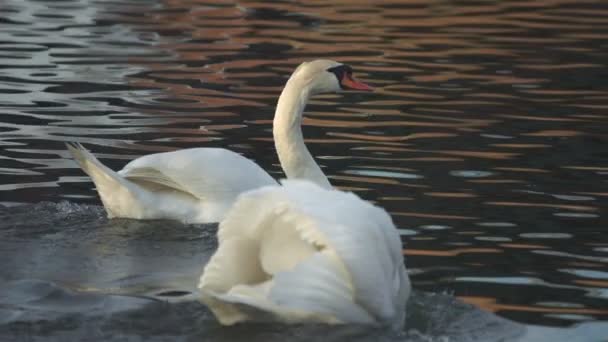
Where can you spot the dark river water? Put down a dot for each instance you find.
(486, 139)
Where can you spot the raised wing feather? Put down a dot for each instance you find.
(152, 175)
(364, 238)
(317, 285)
(346, 261)
(202, 172)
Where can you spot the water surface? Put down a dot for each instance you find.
(485, 138)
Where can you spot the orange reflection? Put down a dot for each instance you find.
(554, 133)
(479, 154)
(520, 169)
(521, 145)
(543, 205)
(372, 180)
(522, 246)
(539, 118)
(603, 194)
(595, 283)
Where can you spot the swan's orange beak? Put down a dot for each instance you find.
(349, 82)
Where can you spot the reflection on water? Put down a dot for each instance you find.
(485, 138)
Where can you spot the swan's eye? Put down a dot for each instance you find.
(344, 74)
(340, 70)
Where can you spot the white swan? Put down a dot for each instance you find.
(199, 185)
(302, 253)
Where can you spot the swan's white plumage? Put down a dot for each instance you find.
(204, 173)
(309, 254)
(192, 185)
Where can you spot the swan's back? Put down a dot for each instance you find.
(304, 253)
(192, 185)
(202, 172)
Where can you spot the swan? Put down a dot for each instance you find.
(198, 185)
(303, 253)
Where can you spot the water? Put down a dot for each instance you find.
(485, 139)
(70, 274)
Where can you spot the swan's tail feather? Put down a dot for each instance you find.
(106, 180)
(91, 165)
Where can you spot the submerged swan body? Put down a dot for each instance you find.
(302, 253)
(199, 185)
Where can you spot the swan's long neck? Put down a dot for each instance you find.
(296, 160)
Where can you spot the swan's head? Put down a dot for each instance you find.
(327, 76)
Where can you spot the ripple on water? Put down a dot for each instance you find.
(560, 304)
(496, 136)
(471, 173)
(502, 280)
(407, 232)
(493, 238)
(593, 274)
(574, 197)
(434, 227)
(576, 215)
(496, 224)
(52, 300)
(546, 235)
(380, 173)
(572, 255)
(570, 317)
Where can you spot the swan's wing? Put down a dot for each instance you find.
(363, 236)
(374, 261)
(236, 288)
(317, 285)
(205, 173)
(154, 176)
(312, 291)
(234, 262)
(365, 272)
